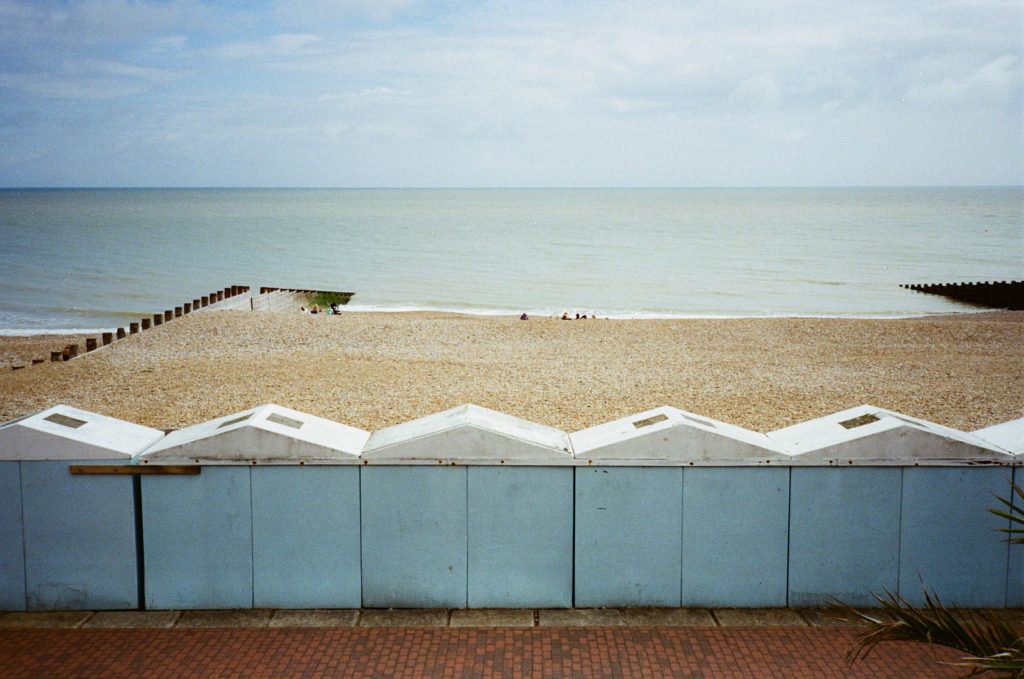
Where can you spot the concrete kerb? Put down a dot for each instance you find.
(437, 617)
(133, 620)
(342, 617)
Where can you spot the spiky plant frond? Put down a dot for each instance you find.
(1014, 511)
(989, 642)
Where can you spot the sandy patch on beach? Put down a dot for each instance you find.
(375, 370)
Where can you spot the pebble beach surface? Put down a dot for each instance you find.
(372, 370)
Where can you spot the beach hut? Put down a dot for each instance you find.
(272, 520)
(1010, 437)
(882, 500)
(67, 541)
(677, 509)
(467, 507)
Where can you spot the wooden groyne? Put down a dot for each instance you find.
(991, 294)
(71, 351)
(228, 298)
(343, 297)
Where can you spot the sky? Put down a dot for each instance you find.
(408, 93)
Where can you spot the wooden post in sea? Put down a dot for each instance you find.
(206, 301)
(90, 343)
(158, 319)
(108, 337)
(196, 304)
(55, 356)
(120, 333)
(168, 314)
(177, 312)
(133, 327)
(146, 323)
(70, 351)
(186, 308)
(220, 295)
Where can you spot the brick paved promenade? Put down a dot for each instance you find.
(250, 653)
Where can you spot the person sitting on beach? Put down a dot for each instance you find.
(315, 309)
(524, 317)
(565, 315)
(334, 308)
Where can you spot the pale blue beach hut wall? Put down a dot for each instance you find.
(198, 539)
(414, 537)
(520, 537)
(735, 536)
(844, 534)
(649, 532)
(1010, 437)
(272, 520)
(78, 532)
(493, 531)
(949, 542)
(305, 535)
(628, 536)
(12, 547)
(80, 550)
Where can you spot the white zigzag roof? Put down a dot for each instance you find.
(269, 434)
(469, 434)
(876, 436)
(66, 433)
(671, 436)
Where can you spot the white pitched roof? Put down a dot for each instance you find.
(66, 433)
(876, 436)
(1008, 435)
(267, 434)
(671, 436)
(469, 434)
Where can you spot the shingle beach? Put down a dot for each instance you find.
(375, 370)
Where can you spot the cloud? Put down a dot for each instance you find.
(470, 93)
(758, 91)
(997, 81)
(320, 12)
(282, 45)
(89, 79)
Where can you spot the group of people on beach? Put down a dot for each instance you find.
(315, 309)
(565, 317)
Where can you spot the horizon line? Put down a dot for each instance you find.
(242, 187)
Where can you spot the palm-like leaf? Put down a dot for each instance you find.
(1014, 512)
(990, 644)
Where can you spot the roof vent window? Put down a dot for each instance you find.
(286, 421)
(65, 421)
(243, 418)
(859, 421)
(640, 424)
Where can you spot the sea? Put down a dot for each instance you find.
(94, 259)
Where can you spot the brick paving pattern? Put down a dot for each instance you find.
(786, 653)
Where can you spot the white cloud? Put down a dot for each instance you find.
(997, 81)
(283, 45)
(319, 12)
(533, 91)
(757, 91)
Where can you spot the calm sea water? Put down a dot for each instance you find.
(73, 259)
